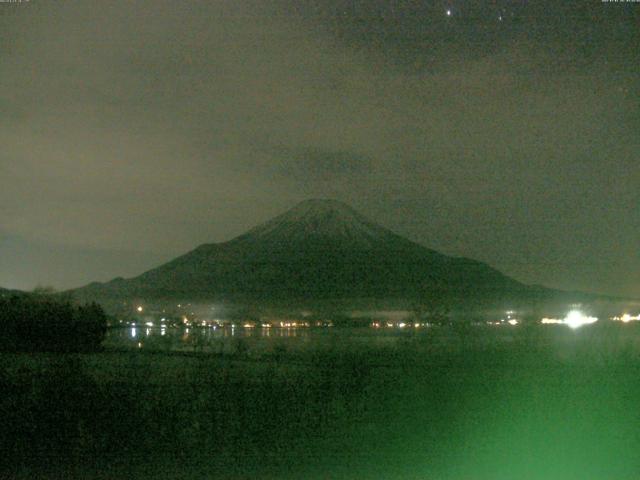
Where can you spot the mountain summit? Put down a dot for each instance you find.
(318, 250)
(318, 218)
(320, 224)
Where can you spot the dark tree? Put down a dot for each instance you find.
(44, 323)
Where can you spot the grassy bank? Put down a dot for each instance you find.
(519, 409)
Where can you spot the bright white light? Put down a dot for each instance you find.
(576, 319)
(448, 13)
(139, 308)
(149, 324)
(513, 321)
(402, 325)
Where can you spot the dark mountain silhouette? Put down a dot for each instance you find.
(4, 292)
(318, 250)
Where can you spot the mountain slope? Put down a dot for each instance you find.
(320, 249)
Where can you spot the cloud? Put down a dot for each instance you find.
(319, 165)
(157, 126)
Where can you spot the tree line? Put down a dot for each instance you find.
(33, 323)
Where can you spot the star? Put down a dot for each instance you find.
(448, 13)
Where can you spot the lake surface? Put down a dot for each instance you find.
(252, 340)
(598, 339)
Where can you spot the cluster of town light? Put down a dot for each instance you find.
(574, 319)
(406, 324)
(626, 318)
(509, 320)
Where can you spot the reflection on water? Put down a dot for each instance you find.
(208, 332)
(216, 339)
(229, 339)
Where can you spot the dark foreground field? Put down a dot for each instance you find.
(468, 408)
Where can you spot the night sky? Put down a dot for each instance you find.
(505, 131)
